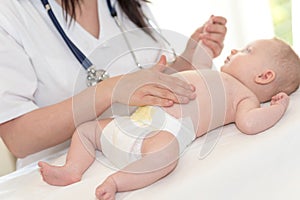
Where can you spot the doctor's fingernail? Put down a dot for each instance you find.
(193, 88)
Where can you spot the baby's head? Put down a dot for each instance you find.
(267, 67)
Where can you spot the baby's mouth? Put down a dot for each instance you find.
(227, 60)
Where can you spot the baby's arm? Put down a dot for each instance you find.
(252, 119)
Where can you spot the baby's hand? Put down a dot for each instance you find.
(280, 99)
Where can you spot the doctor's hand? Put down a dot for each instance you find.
(212, 34)
(204, 44)
(152, 87)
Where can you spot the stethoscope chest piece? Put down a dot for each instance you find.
(95, 76)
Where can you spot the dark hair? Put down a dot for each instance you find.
(130, 7)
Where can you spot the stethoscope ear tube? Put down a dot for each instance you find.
(84, 61)
(112, 9)
(94, 76)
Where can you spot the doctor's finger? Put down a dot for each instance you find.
(161, 65)
(214, 37)
(153, 95)
(177, 86)
(159, 101)
(219, 20)
(164, 93)
(216, 29)
(214, 46)
(167, 79)
(198, 31)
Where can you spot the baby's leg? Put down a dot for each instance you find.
(159, 157)
(85, 140)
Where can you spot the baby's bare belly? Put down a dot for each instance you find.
(206, 108)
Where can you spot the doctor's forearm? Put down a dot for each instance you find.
(52, 125)
(39, 129)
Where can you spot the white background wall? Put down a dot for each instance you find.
(247, 20)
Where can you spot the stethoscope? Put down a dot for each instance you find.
(94, 75)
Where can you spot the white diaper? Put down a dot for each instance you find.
(122, 138)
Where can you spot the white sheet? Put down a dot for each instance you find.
(263, 166)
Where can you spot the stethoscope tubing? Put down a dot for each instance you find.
(83, 60)
(96, 75)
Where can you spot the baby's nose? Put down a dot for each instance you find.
(233, 51)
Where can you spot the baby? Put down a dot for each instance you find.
(146, 145)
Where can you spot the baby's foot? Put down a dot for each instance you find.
(107, 190)
(58, 175)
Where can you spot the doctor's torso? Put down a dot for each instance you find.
(40, 60)
(37, 68)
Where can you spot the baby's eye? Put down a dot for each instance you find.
(246, 50)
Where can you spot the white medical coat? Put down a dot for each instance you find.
(37, 68)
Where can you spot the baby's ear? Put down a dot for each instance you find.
(266, 77)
